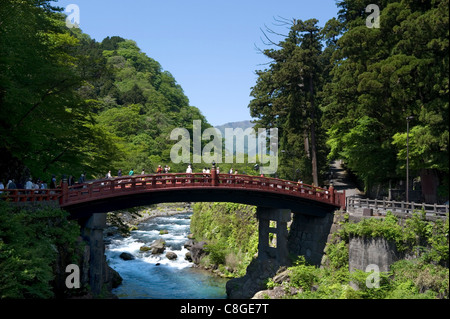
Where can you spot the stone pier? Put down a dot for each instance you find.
(273, 221)
(92, 232)
(272, 254)
(308, 236)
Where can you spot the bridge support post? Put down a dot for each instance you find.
(214, 177)
(92, 232)
(65, 191)
(308, 236)
(277, 247)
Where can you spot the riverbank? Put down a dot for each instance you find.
(123, 222)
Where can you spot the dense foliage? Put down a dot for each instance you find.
(382, 76)
(359, 85)
(69, 104)
(424, 277)
(231, 231)
(30, 241)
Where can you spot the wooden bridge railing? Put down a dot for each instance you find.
(31, 195)
(132, 184)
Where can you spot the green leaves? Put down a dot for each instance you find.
(72, 105)
(286, 96)
(28, 250)
(384, 75)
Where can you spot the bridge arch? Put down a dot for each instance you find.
(126, 192)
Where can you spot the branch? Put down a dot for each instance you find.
(283, 21)
(270, 41)
(35, 106)
(54, 160)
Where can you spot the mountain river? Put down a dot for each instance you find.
(155, 276)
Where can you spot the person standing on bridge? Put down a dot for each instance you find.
(53, 182)
(119, 173)
(131, 173)
(108, 175)
(188, 171)
(82, 178)
(29, 184)
(11, 184)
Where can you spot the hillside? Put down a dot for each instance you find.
(77, 105)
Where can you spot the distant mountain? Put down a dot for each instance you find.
(234, 125)
(242, 124)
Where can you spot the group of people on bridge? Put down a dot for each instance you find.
(41, 184)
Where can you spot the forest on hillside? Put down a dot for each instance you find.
(70, 104)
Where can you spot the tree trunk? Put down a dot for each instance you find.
(315, 174)
(306, 142)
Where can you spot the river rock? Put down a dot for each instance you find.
(171, 255)
(198, 251)
(126, 256)
(188, 256)
(158, 246)
(278, 292)
(144, 248)
(188, 244)
(282, 275)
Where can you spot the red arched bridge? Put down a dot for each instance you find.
(140, 190)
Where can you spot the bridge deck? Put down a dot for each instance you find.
(141, 184)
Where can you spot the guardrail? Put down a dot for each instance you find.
(397, 206)
(132, 184)
(30, 195)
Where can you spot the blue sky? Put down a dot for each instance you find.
(208, 46)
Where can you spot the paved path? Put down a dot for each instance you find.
(341, 180)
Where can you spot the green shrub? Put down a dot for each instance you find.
(217, 253)
(29, 243)
(231, 231)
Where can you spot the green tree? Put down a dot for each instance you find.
(286, 94)
(381, 76)
(45, 122)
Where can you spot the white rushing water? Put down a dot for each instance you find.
(151, 276)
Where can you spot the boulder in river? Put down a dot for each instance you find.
(188, 244)
(198, 251)
(126, 256)
(171, 255)
(158, 246)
